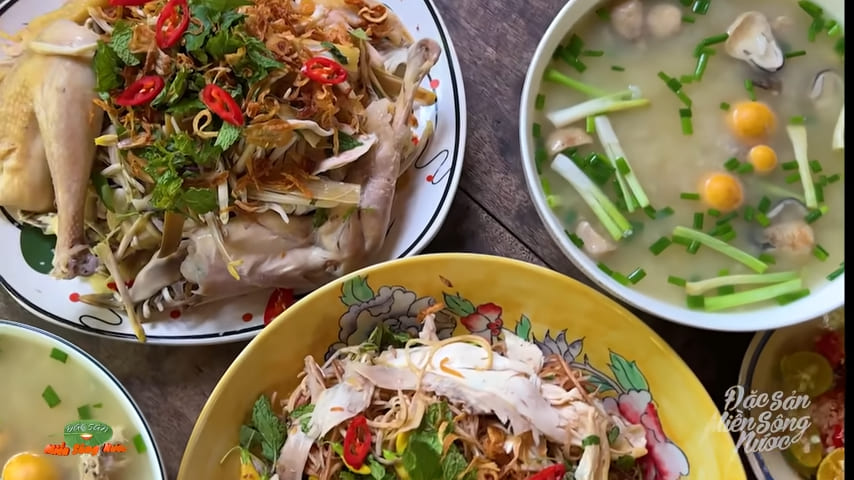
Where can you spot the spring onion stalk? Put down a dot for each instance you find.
(839, 131)
(553, 75)
(755, 295)
(609, 103)
(722, 247)
(776, 190)
(798, 136)
(613, 221)
(611, 143)
(702, 286)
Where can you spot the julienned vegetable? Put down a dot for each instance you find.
(141, 91)
(701, 286)
(172, 23)
(608, 139)
(553, 75)
(623, 100)
(613, 221)
(839, 131)
(798, 136)
(325, 70)
(222, 104)
(722, 247)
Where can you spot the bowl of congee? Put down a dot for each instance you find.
(688, 155)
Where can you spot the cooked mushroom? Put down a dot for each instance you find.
(627, 19)
(664, 20)
(595, 244)
(563, 138)
(751, 40)
(788, 232)
(827, 88)
(768, 83)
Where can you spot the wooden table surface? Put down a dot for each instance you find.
(492, 213)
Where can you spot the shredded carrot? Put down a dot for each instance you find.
(435, 308)
(449, 370)
(336, 409)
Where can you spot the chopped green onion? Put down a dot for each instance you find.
(728, 236)
(768, 258)
(722, 247)
(575, 45)
(714, 39)
(797, 53)
(592, 53)
(97, 405)
(701, 7)
(726, 218)
(811, 8)
(702, 286)
(713, 212)
(629, 183)
(731, 164)
(797, 120)
(816, 26)
(762, 219)
(609, 103)
(788, 298)
(684, 241)
(663, 213)
(839, 46)
(554, 76)
(793, 177)
(687, 126)
(679, 282)
(819, 193)
(798, 136)
(637, 275)
(687, 19)
(50, 397)
(815, 166)
(698, 220)
(689, 196)
(685, 113)
(749, 213)
(622, 166)
(764, 204)
(836, 273)
(693, 247)
(833, 29)
(537, 130)
(756, 295)
(820, 253)
(617, 68)
(748, 85)
(702, 61)
(139, 444)
(745, 167)
(84, 412)
(540, 157)
(591, 125)
(834, 178)
(660, 245)
(602, 207)
(58, 355)
(695, 302)
(793, 165)
(720, 230)
(685, 99)
(603, 13)
(540, 102)
(604, 268)
(620, 278)
(724, 106)
(575, 239)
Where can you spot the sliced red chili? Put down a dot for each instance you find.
(128, 3)
(141, 91)
(555, 472)
(324, 70)
(357, 442)
(222, 104)
(172, 23)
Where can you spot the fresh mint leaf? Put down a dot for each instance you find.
(222, 44)
(120, 43)
(272, 429)
(186, 106)
(378, 471)
(435, 414)
(228, 135)
(346, 142)
(454, 463)
(303, 414)
(222, 6)
(231, 18)
(590, 440)
(249, 437)
(167, 190)
(196, 35)
(333, 50)
(199, 200)
(176, 88)
(106, 66)
(258, 61)
(613, 433)
(421, 461)
(383, 337)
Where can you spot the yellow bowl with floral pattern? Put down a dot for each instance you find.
(483, 295)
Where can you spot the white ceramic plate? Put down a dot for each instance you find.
(759, 372)
(422, 202)
(76, 355)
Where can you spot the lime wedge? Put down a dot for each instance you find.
(805, 455)
(833, 466)
(806, 372)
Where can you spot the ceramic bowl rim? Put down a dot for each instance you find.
(821, 300)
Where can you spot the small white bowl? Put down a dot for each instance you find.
(100, 373)
(822, 299)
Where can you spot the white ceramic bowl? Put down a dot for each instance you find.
(76, 355)
(822, 299)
